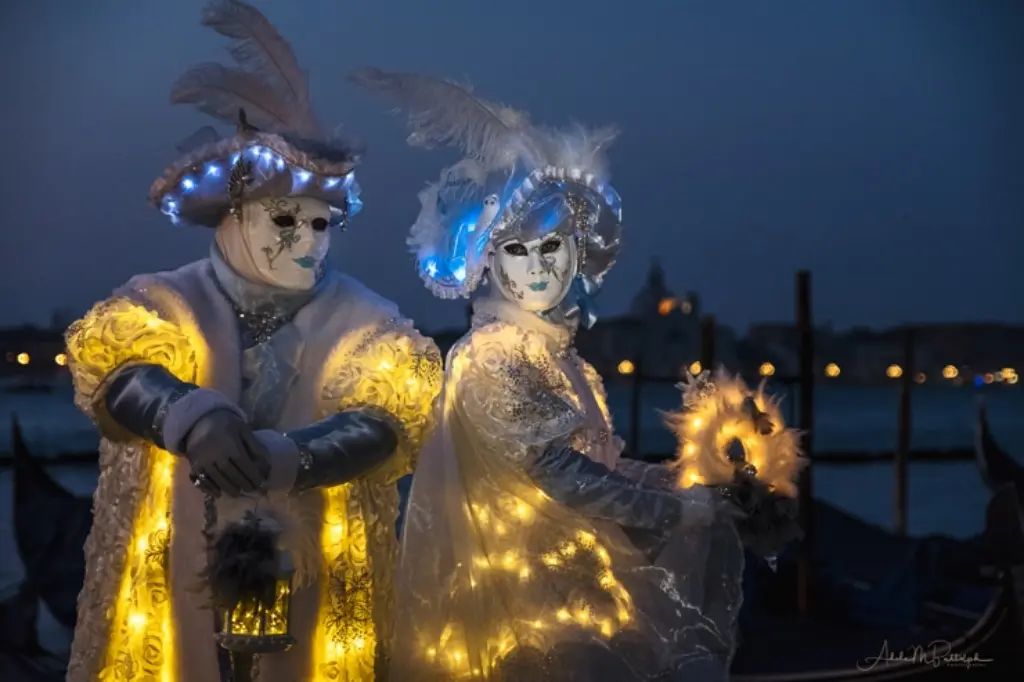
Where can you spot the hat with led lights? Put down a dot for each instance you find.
(278, 149)
(517, 178)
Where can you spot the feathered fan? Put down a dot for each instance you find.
(268, 82)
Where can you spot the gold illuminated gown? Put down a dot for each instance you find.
(499, 581)
(142, 614)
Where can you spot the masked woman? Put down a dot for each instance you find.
(532, 550)
(256, 379)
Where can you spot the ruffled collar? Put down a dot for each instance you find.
(495, 309)
(250, 296)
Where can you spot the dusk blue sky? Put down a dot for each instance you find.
(879, 143)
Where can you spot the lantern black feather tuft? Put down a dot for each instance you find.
(244, 563)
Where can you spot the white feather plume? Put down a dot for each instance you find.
(268, 82)
(443, 112)
(577, 147)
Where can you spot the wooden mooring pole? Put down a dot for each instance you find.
(902, 454)
(707, 343)
(805, 329)
(635, 402)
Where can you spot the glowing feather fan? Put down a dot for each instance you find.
(725, 428)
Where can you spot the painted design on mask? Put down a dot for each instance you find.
(288, 240)
(283, 214)
(507, 285)
(535, 274)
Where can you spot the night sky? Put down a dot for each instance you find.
(878, 143)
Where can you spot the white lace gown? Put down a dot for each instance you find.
(522, 560)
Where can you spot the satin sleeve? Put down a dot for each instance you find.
(508, 387)
(119, 333)
(392, 371)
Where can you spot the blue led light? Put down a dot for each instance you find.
(303, 176)
(235, 158)
(459, 269)
(279, 163)
(431, 267)
(213, 169)
(331, 183)
(267, 156)
(188, 184)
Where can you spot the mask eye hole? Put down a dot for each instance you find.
(284, 220)
(319, 224)
(550, 246)
(514, 249)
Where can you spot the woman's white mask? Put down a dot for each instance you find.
(287, 240)
(536, 274)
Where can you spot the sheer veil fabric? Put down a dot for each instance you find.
(498, 581)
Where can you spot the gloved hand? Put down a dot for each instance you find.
(225, 455)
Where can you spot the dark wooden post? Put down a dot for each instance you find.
(805, 328)
(902, 454)
(707, 343)
(635, 402)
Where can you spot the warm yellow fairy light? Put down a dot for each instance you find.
(695, 367)
(113, 334)
(626, 367)
(23, 358)
(61, 359)
(894, 371)
(832, 370)
(715, 418)
(950, 372)
(766, 369)
(586, 539)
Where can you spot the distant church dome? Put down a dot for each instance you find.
(651, 295)
(655, 299)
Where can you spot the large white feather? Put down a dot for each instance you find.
(262, 53)
(444, 112)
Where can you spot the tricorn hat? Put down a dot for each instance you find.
(278, 149)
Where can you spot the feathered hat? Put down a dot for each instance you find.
(279, 148)
(516, 176)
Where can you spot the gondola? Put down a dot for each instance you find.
(50, 527)
(990, 648)
(996, 465)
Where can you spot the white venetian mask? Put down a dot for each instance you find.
(287, 240)
(534, 274)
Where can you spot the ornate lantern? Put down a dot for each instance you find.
(251, 582)
(255, 627)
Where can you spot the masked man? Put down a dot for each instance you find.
(256, 379)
